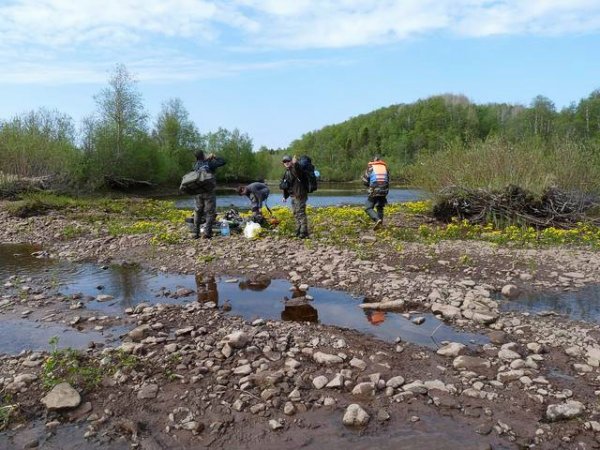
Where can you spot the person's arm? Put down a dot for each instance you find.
(215, 161)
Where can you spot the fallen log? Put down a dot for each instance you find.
(394, 305)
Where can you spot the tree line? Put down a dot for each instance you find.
(407, 134)
(118, 140)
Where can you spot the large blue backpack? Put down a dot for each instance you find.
(309, 170)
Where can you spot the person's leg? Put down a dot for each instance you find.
(210, 206)
(198, 214)
(302, 218)
(255, 206)
(381, 202)
(369, 205)
(297, 215)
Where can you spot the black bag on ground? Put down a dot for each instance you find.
(197, 182)
(307, 167)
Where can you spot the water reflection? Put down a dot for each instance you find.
(251, 298)
(298, 308)
(206, 286)
(21, 259)
(583, 304)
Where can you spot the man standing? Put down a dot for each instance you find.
(206, 201)
(257, 193)
(295, 184)
(377, 179)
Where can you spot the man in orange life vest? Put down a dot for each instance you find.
(377, 179)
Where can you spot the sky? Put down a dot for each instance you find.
(276, 69)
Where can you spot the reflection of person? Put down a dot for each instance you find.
(298, 309)
(295, 184)
(257, 193)
(377, 179)
(206, 286)
(206, 202)
(255, 284)
(375, 317)
(300, 313)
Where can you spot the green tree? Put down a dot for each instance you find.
(177, 137)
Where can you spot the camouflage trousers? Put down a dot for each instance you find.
(299, 210)
(206, 208)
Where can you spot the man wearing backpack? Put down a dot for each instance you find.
(206, 201)
(377, 179)
(295, 184)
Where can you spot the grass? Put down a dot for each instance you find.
(496, 163)
(343, 226)
(79, 370)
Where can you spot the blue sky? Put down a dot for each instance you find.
(276, 69)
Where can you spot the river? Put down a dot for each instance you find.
(328, 194)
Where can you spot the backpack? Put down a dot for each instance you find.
(309, 170)
(198, 181)
(378, 179)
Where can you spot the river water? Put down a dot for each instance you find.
(328, 194)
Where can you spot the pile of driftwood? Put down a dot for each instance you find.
(126, 184)
(514, 205)
(11, 185)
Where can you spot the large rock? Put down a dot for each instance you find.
(473, 363)
(365, 388)
(447, 311)
(564, 411)
(355, 416)
(451, 349)
(237, 339)
(393, 305)
(327, 359)
(62, 396)
(481, 315)
(510, 291)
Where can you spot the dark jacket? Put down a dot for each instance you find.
(294, 182)
(210, 164)
(257, 191)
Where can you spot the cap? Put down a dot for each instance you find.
(286, 158)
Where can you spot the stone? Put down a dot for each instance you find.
(510, 291)
(148, 391)
(327, 359)
(365, 388)
(336, 382)
(320, 382)
(62, 396)
(276, 424)
(289, 409)
(564, 411)
(509, 375)
(358, 363)
(355, 416)
(447, 311)
(452, 349)
(395, 382)
(416, 387)
(508, 355)
(473, 363)
(139, 333)
(237, 339)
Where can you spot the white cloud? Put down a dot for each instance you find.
(61, 34)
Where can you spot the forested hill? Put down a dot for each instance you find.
(400, 132)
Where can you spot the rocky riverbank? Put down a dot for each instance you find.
(191, 376)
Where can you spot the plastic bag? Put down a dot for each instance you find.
(252, 230)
